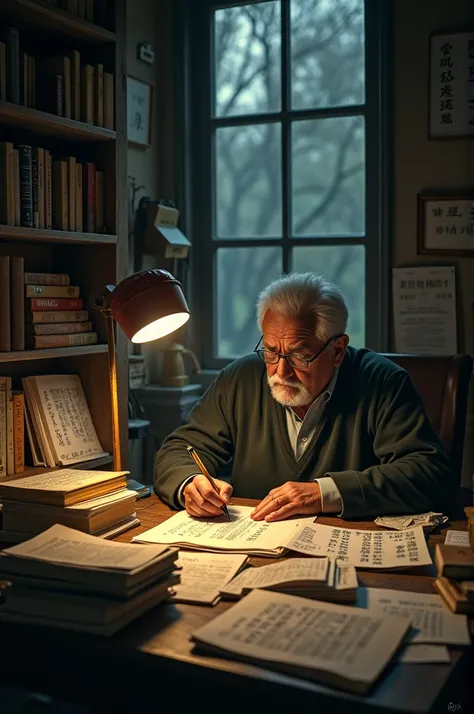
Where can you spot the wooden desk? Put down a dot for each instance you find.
(152, 661)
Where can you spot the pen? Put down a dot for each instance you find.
(194, 455)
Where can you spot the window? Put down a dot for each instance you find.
(286, 128)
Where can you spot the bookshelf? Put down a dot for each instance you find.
(92, 259)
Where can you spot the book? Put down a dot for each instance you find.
(60, 418)
(44, 304)
(39, 342)
(316, 578)
(457, 600)
(65, 578)
(64, 487)
(58, 328)
(456, 562)
(19, 432)
(55, 316)
(5, 333)
(90, 516)
(217, 535)
(17, 303)
(336, 645)
(47, 279)
(202, 575)
(54, 291)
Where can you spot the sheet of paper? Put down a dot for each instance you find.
(307, 635)
(60, 544)
(459, 538)
(203, 574)
(432, 622)
(363, 549)
(428, 520)
(288, 571)
(424, 654)
(241, 533)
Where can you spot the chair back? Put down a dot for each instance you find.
(443, 384)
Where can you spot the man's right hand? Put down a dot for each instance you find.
(201, 500)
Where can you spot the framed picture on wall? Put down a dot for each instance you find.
(139, 112)
(446, 224)
(451, 85)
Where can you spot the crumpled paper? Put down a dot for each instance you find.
(428, 521)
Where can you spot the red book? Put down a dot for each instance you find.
(53, 304)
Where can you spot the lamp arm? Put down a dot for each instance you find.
(113, 383)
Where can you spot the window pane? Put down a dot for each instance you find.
(241, 274)
(248, 181)
(328, 177)
(343, 265)
(327, 53)
(247, 59)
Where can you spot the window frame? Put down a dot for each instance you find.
(196, 157)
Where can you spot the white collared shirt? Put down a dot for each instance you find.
(300, 433)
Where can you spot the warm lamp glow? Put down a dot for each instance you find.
(161, 327)
(149, 305)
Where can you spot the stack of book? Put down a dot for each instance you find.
(57, 191)
(316, 578)
(66, 85)
(67, 579)
(94, 502)
(57, 299)
(455, 581)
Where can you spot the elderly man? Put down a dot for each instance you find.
(307, 423)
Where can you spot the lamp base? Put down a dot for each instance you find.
(142, 491)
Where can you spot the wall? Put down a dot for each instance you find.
(422, 164)
(152, 168)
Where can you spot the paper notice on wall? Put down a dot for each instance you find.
(424, 310)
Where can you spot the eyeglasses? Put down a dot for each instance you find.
(294, 360)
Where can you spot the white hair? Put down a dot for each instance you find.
(300, 294)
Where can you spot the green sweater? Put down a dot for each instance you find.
(374, 440)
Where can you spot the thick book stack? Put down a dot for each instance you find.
(316, 578)
(455, 581)
(39, 190)
(40, 310)
(67, 579)
(94, 502)
(64, 85)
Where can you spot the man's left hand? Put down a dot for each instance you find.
(292, 499)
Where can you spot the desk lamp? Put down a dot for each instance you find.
(146, 305)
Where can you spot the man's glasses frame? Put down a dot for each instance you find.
(294, 359)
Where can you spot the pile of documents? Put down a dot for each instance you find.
(316, 578)
(68, 579)
(455, 581)
(95, 502)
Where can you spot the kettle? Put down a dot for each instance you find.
(173, 372)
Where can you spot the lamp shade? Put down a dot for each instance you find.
(148, 305)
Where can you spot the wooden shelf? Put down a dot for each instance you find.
(29, 355)
(52, 125)
(41, 235)
(54, 20)
(84, 465)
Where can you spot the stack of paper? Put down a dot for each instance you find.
(64, 578)
(219, 535)
(317, 578)
(203, 574)
(95, 502)
(340, 646)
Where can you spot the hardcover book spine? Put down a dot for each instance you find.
(99, 202)
(60, 196)
(7, 188)
(3, 426)
(41, 191)
(26, 188)
(5, 340)
(19, 432)
(34, 185)
(46, 279)
(89, 197)
(60, 328)
(10, 449)
(71, 184)
(99, 94)
(47, 341)
(53, 291)
(16, 189)
(79, 198)
(75, 58)
(55, 316)
(48, 189)
(13, 65)
(87, 88)
(47, 304)
(17, 303)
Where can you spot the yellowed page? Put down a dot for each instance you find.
(292, 570)
(323, 641)
(203, 574)
(432, 621)
(241, 534)
(363, 549)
